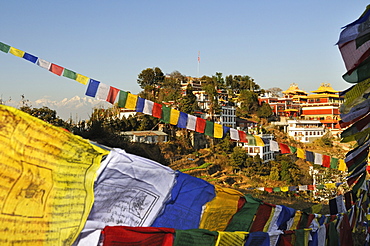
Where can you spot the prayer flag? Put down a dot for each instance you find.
(188, 196)
(334, 163)
(130, 190)
(131, 101)
(44, 64)
(318, 159)
(195, 237)
(92, 88)
(224, 206)
(310, 156)
(292, 149)
(166, 112)
(234, 134)
(174, 116)
(140, 104)
(209, 128)
(56, 69)
(243, 137)
(30, 57)
(122, 99)
(301, 153)
(251, 140)
(259, 238)
(82, 79)
(112, 94)
(69, 74)
(262, 217)
(191, 123)
(242, 220)
(148, 107)
(230, 238)
(226, 129)
(284, 148)
(102, 92)
(325, 161)
(4, 47)
(354, 52)
(16, 52)
(183, 118)
(47, 175)
(274, 146)
(138, 236)
(201, 125)
(218, 131)
(157, 110)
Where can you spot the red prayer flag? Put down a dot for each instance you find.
(243, 137)
(311, 187)
(112, 94)
(58, 70)
(157, 110)
(284, 149)
(262, 216)
(200, 125)
(125, 235)
(326, 161)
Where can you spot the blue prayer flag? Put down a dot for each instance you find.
(310, 156)
(183, 119)
(92, 88)
(140, 104)
(30, 57)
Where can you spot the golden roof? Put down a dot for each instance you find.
(325, 87)
(293, 89)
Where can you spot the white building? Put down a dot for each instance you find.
(150, 137)
(264, 152)
(305, 131)
(228, 116)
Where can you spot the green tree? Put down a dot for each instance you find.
(188, 103)
(46, 114)
(264, 111)
(248, 103)
(238, 157)
(151, 79)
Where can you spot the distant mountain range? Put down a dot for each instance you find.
(77, 108)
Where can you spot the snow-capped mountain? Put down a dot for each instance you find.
(77, 108)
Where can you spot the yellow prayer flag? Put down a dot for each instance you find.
(268, 222)
(259, 141)
(330, 185)
(342, 165)
(226, 238)
(218, 130)
(47, 178)
(220, 210)
(82, 79)
(16, 52)
(131, 101)
(300, 153)
(316, 209)
(174, 116)
(296, 219)
(284, 189)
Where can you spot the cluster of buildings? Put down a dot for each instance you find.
(305, 117)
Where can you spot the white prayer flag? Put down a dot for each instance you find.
(102, 92)
(234, 134)
(318, 159)
(274, 146)
(191, 123)
(44, 64)
(148, 107)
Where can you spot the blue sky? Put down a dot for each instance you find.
(274, 42)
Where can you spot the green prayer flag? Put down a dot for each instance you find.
(300, 237)
(122, 98)
(333, 237)
(243, 219)
(209, 128)
(251, 140)
(277, 189)
(292, 149)
(320, 187)
(166, 113)
(199, 237)
(334, 163)
(69, 74)
(4, 47)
